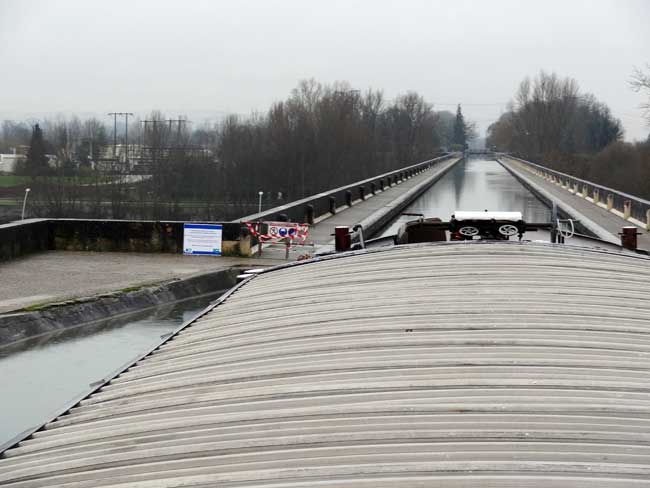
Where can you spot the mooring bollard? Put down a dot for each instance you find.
(342, 238)
(627, 209)
(629, 237)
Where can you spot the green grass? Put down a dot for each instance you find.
(8, 181)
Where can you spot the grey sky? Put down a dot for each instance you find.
(239, 56)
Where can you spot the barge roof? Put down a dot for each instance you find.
(453, 364)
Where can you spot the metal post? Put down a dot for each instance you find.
(309, 214)
(554, 219)
(27, 190)
(259, 207)
(332, 203)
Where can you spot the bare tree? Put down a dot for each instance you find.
(640, 82)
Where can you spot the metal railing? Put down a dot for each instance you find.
(309, 209)
(626, 204)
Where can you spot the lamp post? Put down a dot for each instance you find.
(259, 206)
(27, 190)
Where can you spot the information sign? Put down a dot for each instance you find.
(202, 239)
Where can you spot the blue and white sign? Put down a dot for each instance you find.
(202, 239)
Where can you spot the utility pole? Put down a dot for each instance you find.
(180, 122)
(126, 133)
(114, 114)
(126, 136)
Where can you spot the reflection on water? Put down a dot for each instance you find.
(41, 375)
(477, 184)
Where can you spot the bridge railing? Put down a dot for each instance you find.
(310, 209)
(628, 205)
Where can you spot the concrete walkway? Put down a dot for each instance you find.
(605, 224)
(60, 275)
(380, 203)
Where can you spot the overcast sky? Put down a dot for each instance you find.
(198, 57)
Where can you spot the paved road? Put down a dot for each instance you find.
(59, 275)
(599, 220)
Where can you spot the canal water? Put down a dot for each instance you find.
(40, 376)
(477, 184)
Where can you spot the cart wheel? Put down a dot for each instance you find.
(468, 231)
(508, 230)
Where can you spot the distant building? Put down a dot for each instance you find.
(8, 161)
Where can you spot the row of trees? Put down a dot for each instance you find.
(320, 137)
(325, 136)
(73, 143)
(551, 119)
(553, 123)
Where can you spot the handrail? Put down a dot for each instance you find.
(629, 205)
(327, 201)
(575, 178)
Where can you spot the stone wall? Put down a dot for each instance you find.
(29, 236)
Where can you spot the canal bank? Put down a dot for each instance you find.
(36, 321)
(39, 376)
(55, 276)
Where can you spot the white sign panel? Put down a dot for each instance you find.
(281, 230)
(202, 239)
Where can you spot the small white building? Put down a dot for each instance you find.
(8, 162)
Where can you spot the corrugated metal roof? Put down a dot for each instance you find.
(456, 365)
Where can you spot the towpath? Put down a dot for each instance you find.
(61, 275)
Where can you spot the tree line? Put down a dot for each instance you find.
(551, 122)
(320, 137)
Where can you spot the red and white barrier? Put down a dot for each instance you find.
(280, 231)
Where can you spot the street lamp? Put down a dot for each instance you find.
(27, 190)
(259, 207)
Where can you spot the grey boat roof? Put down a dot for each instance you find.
(453, 364)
